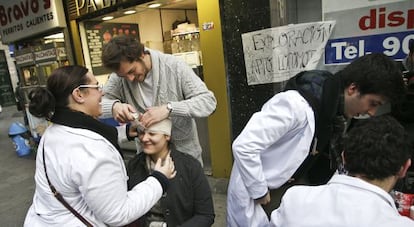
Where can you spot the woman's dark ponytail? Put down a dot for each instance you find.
(42, 103)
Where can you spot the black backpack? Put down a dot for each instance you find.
(322, 90)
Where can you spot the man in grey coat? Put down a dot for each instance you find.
(157, 86)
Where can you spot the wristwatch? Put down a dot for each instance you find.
(169, 107)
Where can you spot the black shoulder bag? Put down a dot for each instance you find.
(60, 197)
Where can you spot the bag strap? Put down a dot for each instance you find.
(60, 197)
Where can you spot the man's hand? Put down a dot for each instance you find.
(153, 115)
(122, 112)
(264, 200)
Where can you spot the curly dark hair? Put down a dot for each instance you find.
(121, 48)
(376, 148)
(375, 74)
(60, 84)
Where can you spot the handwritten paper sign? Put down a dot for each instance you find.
(276, 54)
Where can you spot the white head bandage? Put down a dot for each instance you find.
(163, 127)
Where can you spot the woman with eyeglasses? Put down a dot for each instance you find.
(80, 173)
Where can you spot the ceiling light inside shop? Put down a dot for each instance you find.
(154, 5)
(130, 12)
(108, 18)
(55, 36)
(58, 37)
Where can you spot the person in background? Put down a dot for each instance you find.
(21, 102)
(289, 141)
(188, 201)
(408, 61)
(79, 161)
(376, 154)
(18, 94)
(158, 86)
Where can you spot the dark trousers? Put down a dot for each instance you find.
(276, 195)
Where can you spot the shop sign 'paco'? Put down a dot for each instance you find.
(87, 6)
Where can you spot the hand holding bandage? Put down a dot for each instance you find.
(135, 127)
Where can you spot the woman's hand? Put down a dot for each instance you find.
(135, 126)
(167, 168)
(132, 131)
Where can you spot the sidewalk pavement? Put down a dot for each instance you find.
(17, 185)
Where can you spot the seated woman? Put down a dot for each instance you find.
(80, 174)
(188, 200)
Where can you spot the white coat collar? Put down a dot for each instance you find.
(363, 185)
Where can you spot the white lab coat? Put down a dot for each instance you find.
(267, 153)
(90, 174)
(345, 201)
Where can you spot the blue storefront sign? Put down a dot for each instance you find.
(364, 27)
(345, 50)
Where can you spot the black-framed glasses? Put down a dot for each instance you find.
(97, 86)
